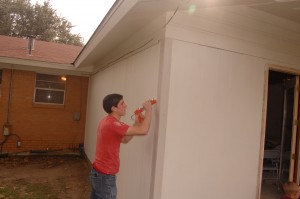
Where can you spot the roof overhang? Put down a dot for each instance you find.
(125, 18)
(43, 67)
(121, 22)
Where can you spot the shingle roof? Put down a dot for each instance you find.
(12, 47)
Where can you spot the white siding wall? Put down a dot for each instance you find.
(215, 107)
(241, 30)
(214, 124)
(210, 148)
(136, 78)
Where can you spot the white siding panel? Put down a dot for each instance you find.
(231, 29)
(214, 124)
(136, 78)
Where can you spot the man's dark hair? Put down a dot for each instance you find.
(111, 100)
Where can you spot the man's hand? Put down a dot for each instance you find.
(138, 119)
(142, 124)
(147, 105)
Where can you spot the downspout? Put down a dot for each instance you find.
(9, 96)
(7, 126)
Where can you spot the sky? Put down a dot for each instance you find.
(85, 15)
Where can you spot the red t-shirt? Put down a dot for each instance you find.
(109, 136)
(285, 197)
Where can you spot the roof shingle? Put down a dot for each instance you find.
(13, 47)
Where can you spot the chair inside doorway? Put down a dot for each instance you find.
(271, 165)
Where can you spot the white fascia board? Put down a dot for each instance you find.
(139, 41)
(39, 65)
(115, 14)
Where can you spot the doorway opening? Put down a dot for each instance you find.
(280, 161)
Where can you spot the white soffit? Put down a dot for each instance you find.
(286, 9)
(128, 16)
(121, 22)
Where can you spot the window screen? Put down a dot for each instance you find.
(50, 89)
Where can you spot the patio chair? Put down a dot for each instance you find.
(271, 165)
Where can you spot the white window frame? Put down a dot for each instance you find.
(49, 89)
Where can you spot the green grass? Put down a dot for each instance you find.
(24, 189)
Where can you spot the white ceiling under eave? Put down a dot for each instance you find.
(42, 67)
(127, 17)
(124, 19)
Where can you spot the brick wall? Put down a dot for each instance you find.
(40, 126)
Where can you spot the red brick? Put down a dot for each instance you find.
(42, 127)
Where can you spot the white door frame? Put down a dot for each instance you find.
(277, 68)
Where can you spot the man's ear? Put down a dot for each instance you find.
(113, 108)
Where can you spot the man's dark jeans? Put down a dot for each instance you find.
(103, 185)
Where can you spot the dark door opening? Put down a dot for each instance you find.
(279, 123)
(280, 148)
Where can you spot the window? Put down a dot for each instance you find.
(50, 89)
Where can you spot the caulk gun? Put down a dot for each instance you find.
(137, 112)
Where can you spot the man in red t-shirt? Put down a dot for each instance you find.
(111, 132)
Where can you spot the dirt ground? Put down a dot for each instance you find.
(42, 177)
